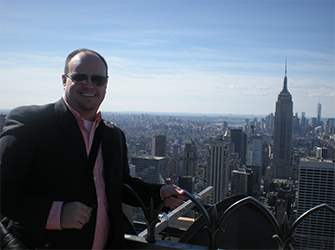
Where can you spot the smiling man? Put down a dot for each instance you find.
(85, 98)
(63, 167)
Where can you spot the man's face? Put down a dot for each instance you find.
(85, 97)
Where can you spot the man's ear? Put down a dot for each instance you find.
(64, 80)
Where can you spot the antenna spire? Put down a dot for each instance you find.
(284, 90)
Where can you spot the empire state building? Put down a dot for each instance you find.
(283, 129)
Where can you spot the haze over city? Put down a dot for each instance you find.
(211, 57)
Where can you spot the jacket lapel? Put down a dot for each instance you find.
(108, 148)
(70, 127)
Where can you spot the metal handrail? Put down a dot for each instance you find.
(213, 224)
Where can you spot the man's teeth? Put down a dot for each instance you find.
(89, 95)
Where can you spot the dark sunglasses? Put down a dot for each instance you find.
(79, 78)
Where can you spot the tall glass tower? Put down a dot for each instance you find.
(318, 111)
(218, 168)
(283, 129)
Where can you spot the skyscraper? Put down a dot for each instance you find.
(318, 112)
(239, 140)
(190, 158)
(172, 168)
(314, 122)
(159, 145)
(254, 150)
(151, 169)
(283, 126)
(187, 183)
(239, 182)
(316, 186)
(176, 152)
(330, 127)
(218, 168)
(303, 119)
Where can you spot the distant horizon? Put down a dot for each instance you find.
(249, 116)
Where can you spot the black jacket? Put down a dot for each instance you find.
(42, 160)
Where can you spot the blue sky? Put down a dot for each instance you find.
(215, 57)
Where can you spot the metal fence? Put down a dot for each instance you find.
(234, 223)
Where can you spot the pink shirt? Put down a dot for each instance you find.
(102, 222)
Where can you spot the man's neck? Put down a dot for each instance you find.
(88, 116)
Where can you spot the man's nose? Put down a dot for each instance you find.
(88, 82)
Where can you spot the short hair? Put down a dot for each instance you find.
(74, 53)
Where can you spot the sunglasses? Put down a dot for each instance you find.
(79, 78)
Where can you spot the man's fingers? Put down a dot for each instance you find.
(75, 215)
(172, 202)
(169, 190)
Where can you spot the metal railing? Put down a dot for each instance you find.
(213, 223)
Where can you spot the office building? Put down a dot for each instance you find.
(316, 186)
(303, 119)
(187, 183)
(238, 138)
(218, 168)
(224, 125)
(190, 158)
(282, 155)
(172, 171)
(254, 179)
(321, 153)
(241, 183)
(296, 122)
(330, 122)
(318, 113)
(330, 127)
(152, 169)
(314, 122)
(159, 145)
(254, 150)
(176, 152)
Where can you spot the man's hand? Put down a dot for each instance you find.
(173, 196)
(75, 215)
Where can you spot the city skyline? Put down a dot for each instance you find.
(204, 57)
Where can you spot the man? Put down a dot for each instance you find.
(44, 151)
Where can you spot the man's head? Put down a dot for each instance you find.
(75, 52)
(85, 81)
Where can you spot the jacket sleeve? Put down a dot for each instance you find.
(16, 161)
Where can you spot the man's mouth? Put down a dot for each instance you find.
(88, 95)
